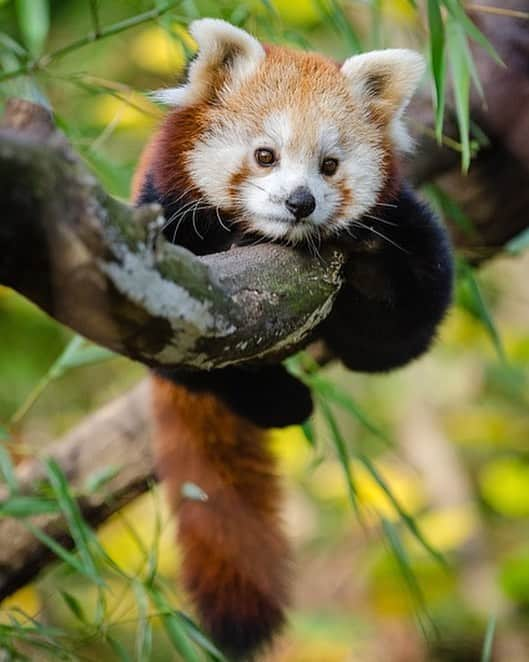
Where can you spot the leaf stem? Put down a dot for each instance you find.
(45, 60)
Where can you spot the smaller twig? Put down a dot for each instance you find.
(45, 60)
(94, 11)
(499, 11)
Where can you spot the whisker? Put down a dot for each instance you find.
(382, 220)
(380, 234)
(194, 222)
(256, 185)
(222, 225)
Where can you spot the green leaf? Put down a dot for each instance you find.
(459, 14)
(27, 506)
(99, 478)
(7, 43)
(480, 308)
(456, 43)
(78, 353)
(518, 244)
(74, 606)
(330, 391)
(174, 626)
(334, 13)
(200, 638)
(70, 509)
(34, 22)
(408, 520)
(486, 654)
(449, 208)
(341, 450)
(437, 63)
(308, 431)
(118, 648)
(403, 560)
(7, 470)
(62, 553)
(88, 355)
(144, 628)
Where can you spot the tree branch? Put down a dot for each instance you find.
(102, 267)
(118, 435)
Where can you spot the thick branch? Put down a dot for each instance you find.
(102, 267)
(116, 436)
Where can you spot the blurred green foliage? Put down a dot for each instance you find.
(408, 493)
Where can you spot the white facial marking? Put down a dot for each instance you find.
(300, 144)
(300, 156)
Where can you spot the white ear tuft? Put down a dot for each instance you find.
(171, 96)
(385, 81)
(213, 35)
(226, 57)
(389, 76)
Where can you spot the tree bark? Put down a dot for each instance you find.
(102, 267)
(116, 436)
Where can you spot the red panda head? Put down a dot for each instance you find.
(287, 142)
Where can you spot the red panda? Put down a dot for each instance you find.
(270, 143)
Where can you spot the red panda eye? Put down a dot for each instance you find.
(329, 167)
(265, 157)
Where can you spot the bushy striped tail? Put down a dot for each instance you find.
(235, 556)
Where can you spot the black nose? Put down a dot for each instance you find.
(301, 202)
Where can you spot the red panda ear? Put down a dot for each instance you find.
(226, 57)
(385, 81)
(386, 78)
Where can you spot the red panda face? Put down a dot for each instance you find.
(290, 144)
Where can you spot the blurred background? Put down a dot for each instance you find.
(440, 447)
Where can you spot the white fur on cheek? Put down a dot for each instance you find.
(364, 178)
(213, 162)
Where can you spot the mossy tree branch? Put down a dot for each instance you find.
(102, 267)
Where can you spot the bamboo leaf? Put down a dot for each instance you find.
(27, 506)
(408, 520)
(74, 606)
(34, 22)
(403, 561)
(486, 655)
(437, 63)
(7, 470)
(449, 208)
(62, 553)
(70, 509)
(308, 431)
(459, 14)
(200, 638)
(518, 244)
(330, 391)
(461, 84)
(101, 477)
(118, 648)
(174, 626)
(144, 627)
(480, 308)
(341, 450)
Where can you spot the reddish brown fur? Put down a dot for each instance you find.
(235, 556)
